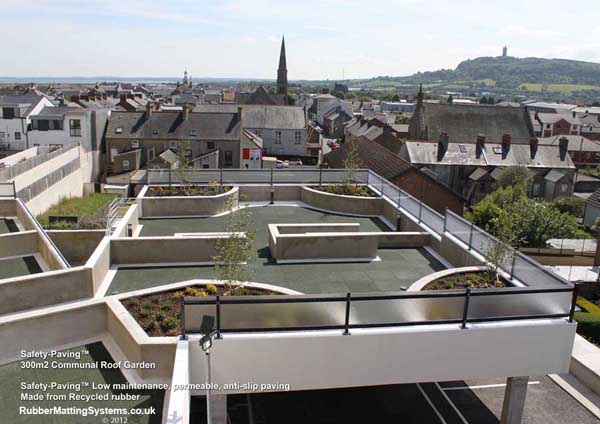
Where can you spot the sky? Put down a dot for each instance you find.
(325, 39)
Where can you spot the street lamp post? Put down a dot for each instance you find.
(207, 327)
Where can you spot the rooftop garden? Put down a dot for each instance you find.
(472, 280)
(87, 212)
(349, 186)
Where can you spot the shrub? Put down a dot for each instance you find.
(190, 291)
(569, 204)
(211, 289)
(160, 316)
(588, 325)
(150, 326)
(145, 312)
(177, 295)
(588, 306)
(169, 323)
(166, 305)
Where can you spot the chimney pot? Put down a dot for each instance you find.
(442, 146)
(533, 146)
(563, 145)
(149, 107)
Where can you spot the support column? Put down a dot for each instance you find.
(218, 408)
(514, 400)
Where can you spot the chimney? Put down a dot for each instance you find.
(480, 145)
(61, 100)
(533, 146)
(574, 114)
(442, 146)
(239, 113)
(186, 112)
(563, 146)
(149, 107)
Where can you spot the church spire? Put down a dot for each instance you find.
(282, 70)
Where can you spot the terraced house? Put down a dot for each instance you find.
(133, 139)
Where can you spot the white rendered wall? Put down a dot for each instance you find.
(322, 360)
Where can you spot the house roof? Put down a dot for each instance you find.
(555, 175)
(27, 100)
(380, 160)
(169, 156)
(59, 111)
(172, 126)
(275, 117)
(478, 174)
(552, 118)
(594, 199)
(576, 143)
(463, 123)
(422, 153)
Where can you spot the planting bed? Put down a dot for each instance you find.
(159, 314)
(165, 191)
(473, 280)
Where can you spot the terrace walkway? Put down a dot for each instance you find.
(397, 269)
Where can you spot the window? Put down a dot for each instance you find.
(228, 158)
(41, 125)
(564, 188)
(8, 112)
(119, 130)
(462, 148)
(297, 137)
(150, 153)
(55, 124)
(210, 145)
(125, 165)
(192, 133)
(2, 135)
(17, 135)
(277, 137)
(536, 188)
(75, 127)
(135, 144)
(172, 144)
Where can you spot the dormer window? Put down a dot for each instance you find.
(154, 132)
(193, 133)
(119, 130)
(135, 144)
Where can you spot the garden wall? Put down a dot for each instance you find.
(170, 206)
(41, 330)
(155, 250)
(45, 289)
(76, 245)
(18, 244)
(368, 206)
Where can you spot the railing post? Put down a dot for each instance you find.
(221, 175)
(573, 303)
(445, 219)
(512, 266)
(320, 176)
(399, 198)
(183, 335)
(471, 235)
(347, 320)
(218, 316)
(170, 177)
(271, 177)
(420, 210)
(466, 310)
(381, 187)
(14, 189)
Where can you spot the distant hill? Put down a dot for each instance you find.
(562, 77)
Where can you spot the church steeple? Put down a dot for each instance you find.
(282, 70)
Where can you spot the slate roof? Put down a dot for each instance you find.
(421, 153)
(576, 143)
(463, 123)
(172, 126)
(552, 118)
(32, 101)
(555, 175)
(60, 111)
(594, 199)
(375, 157)
(273, 117)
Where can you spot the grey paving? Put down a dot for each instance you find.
(397, 269)
(8, 225)
(17, 267)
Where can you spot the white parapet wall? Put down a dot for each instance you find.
(386, 355)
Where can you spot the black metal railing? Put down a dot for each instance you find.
(254, 314)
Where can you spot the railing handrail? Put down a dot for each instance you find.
(349, 299)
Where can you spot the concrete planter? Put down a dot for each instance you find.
(420, 284)
(353, 205)
(179, 206)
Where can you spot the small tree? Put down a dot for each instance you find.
(236, 251)
(499, 254)
(184, 164)
(351, 164)
(513, 176)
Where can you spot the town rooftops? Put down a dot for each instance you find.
(466, 122)
(174, 125)
(493, 154)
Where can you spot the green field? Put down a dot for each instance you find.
(77, 206)
(559, 88)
